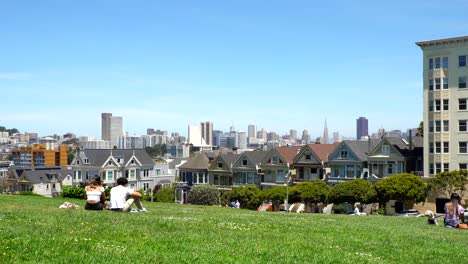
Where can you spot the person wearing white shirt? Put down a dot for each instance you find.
(119, 195)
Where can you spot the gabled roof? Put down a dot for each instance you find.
(256, 156)
(361, 148)
(230, 158)
(97, 157)
(288, 153)
(198, 162)
(323, 150)
(38, 176)
(175, 162)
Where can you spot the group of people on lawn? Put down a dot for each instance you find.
(96, 197)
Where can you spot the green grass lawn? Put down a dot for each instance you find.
(34, 230)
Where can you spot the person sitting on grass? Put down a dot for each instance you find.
(95, 195)
(119, 195)
(453, 212)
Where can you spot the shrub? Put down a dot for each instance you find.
(310, 192)
(338, 209)
(165, 194)
(73, 192)
(203, 194)
(249, 197)
(358, 190)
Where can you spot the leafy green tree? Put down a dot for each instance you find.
(358, 190)
(404, 187)
(276, 195)
(310, 192)
(157, 150)
(448, 182)
(204, 195)
(248, 196)
(420, 129)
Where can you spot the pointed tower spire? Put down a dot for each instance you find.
(325, 133)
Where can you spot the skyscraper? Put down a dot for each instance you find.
(252, 131)
(293, 134)
(325, 134)
(207, 132)
(362, 127)
(337, 137)
(111, 128)
(305, 137)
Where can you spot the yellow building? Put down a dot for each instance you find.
(39, 156)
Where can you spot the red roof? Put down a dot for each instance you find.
(288, 153)
(323, 150)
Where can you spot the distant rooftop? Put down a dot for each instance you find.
(439, 42)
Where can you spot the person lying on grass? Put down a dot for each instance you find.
(119, 195)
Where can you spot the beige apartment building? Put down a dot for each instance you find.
(445, 73)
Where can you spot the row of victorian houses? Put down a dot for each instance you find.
(333, 163)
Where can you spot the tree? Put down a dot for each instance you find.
(448, 182)
(351, 192)
(204, 195)
(157, 150)
(310, 192)
(165, 194)
(276, 195)
(248, 196)
(404, 187)
(420, 129)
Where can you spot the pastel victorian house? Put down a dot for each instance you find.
(396, 155)
(110, 164)
(349, 160)
(247, 168)
(43, 182)
(311, 161)
(220, 171)
(277, 166)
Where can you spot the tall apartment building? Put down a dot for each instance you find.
(252, 131)
(39, 156)
(293, 134)
(207, 132)
(445, 91)
(362, 127)
(111, 128)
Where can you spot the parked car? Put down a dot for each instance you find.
(409, 212)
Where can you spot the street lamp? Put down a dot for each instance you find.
(287, 192)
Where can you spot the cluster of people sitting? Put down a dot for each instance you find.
(121, 197)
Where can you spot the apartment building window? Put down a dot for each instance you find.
(445, 83)
(437, 83)
(431, 168)
(431, 106)
(446, 125)
(274, 160)
(437, 126)
(446, 104)
(431, 84)
(244, 162)
(431, 126)
(446, 167)
(343, 154)
(462, 126)
(462, 82)
(431, 147)
(462, 166)
(438, 168)
(437, 63)
(462, 147)
(437, 105)
(386, 149)
(431, 63)
(307, 157)
(462, 104)
(445, 62)
(462, 61)
(437, 147)
(446, 147)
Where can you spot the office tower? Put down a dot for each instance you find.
(217, 137)
(305, 137)
(195, 136)
(293, 134)
(111, 128)
(252, 131)
(445, 97)
(337, 137)
(325, 134)
(262, 134)
(362, 127)
(207, 132)
(242, 140)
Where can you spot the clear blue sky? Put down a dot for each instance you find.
(168, 64)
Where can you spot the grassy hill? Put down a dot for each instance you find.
(34, 230)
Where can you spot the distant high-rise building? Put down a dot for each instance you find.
(242, 140)
(252, 131)
(217, 137)
(272, 136)
(195, 136)
(262, 134)
(292, 134)
(111, 128)
(207, 132)
(337, 137)
(362, 127)
(325, 134)
(305, 137)
(150, 131)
